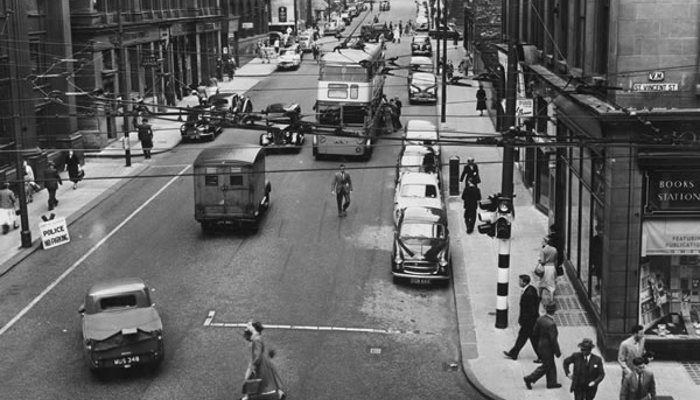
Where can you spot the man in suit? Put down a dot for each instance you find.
(529, 312)
(631, 348)
(588, 371)
(470, 171)
(51, 181)
(639, 384)
(471, 196)
(546, 334)
(341, 187)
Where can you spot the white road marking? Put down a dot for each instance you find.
(210, 318)
(94, 248)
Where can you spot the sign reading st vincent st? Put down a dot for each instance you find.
(673, 191)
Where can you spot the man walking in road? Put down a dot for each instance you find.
(146, 138)
(588, 371)
(547, 337)
(341, 187)
(639, 384)
(51, 181)
(529, 312)
(631, 348)
(471, 196)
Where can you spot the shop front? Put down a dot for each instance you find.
(669, 270)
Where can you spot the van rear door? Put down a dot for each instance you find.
(237, 192)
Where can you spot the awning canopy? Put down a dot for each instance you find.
(666, 237)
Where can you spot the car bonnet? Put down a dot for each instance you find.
(102, 325)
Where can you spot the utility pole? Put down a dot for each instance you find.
(507, 174)
(122, 84)
(13, 42)
(442, 30)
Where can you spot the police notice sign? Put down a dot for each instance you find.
(54, 233)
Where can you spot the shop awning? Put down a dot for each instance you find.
(319, 5)
(665, 237)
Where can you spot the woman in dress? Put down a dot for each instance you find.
(75, 174)
(548, 279)
(261, 366)
(481, 100)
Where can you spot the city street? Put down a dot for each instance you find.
(340, 327)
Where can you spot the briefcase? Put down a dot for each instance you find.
(251, 386)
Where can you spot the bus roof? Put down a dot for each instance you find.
(226, 155)
(353, 56)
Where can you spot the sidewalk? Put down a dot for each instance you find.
(475, 265)
(105, 172)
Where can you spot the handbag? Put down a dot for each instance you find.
(560, 270)
(251, 386)
(539, 270)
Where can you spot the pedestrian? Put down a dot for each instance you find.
(397, 34)
(639, 384)
(146, 138)
(51, 181)
(260, 365)
(201, 93)
(75, 173)
(315, 50)
(450, 70)
(546, 271)
(529, 312)
(470, 171)
(395, 114)
(470, 196)
(546, 334)
(8, 204)
(341, 187)
(588, 371)
(631, 348)
(30, 185)
(276, 46)
(481, 100)
(391, 26)
(376, 18)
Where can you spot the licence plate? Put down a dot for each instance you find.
(126, 361)
(420, 281)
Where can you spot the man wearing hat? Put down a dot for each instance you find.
(546, 334)
(588, 371)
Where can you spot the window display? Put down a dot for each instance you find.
(669, 295)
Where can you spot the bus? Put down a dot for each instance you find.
(348, 105)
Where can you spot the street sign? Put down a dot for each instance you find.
(54, 232)
(654, 87)
(247, 25)
(150, 61)
(523, 107)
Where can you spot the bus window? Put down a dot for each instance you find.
(328, 114)
(354, 115)
(236, 180)
(343, 73)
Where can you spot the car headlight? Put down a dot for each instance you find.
(432, 89)
(89, 343)
(413, 89)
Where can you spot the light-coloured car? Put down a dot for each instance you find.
(421, 46)
(422, 87)
(420, 64)
(120, 325)
(290, 57)
(306, 42)
(417, 189)
(412, 159)
(423, 133)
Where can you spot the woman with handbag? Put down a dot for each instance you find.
(75, 173)
(546, 271)
(8, 202)
(262, 381)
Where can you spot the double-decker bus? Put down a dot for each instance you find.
(350, 88)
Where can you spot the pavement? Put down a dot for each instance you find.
(481, 344)
(475, 265)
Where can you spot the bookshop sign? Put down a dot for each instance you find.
(670, 237)
(672, 191)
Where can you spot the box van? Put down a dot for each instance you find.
(230, 186)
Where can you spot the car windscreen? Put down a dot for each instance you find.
(122, 301)
(418, 190)
(422, 231)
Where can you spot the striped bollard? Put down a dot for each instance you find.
(502, 286)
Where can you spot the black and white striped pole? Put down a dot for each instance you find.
(502, 227)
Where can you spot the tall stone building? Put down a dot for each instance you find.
(619, 82)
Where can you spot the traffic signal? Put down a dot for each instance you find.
(488, 217)
(504, 214)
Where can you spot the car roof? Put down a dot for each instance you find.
(416, 149)
(418, 178)
(421, 60)
(427, 214)
(116, 286)
(421, 129)
(221, 155)
(421, 37)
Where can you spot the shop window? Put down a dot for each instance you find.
(575, 218)
(584, 258)
(542, 197)
(595, 258)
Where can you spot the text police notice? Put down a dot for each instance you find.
(54, 232)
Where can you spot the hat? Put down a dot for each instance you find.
(586, 344)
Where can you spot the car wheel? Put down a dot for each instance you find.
(206, 227)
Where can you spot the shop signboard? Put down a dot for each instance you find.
(672, 191)
(665, 237)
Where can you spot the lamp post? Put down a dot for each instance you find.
(122, 85)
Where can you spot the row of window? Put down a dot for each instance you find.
(152, 5)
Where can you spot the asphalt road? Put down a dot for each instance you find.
(304, 267)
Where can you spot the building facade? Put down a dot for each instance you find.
(612, 94)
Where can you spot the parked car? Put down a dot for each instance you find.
(422, 87)
(421, 24)
(384, 5)
(372, 32)
(306, 42)
(420, 63)
(421, 46)
(201, 124)
(353, 11)
(421, 250)
(417, 189)
(285, 131)
(423, 133)
(412, 159)
(290, 57)
(120, 325)
(451, 32)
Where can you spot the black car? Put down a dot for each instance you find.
(384, 5)
(421, 251)
(372, 32)
(203, 123)
(285, 130)
(421, 46)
